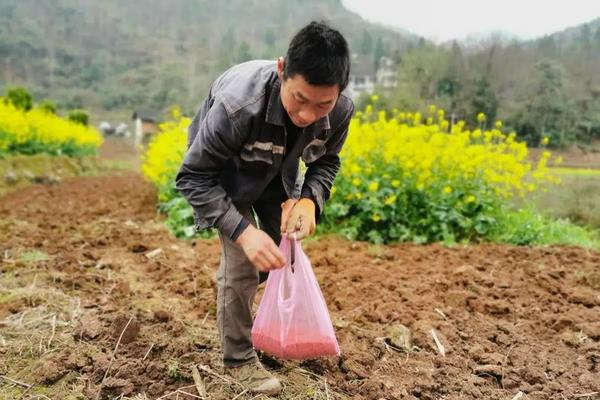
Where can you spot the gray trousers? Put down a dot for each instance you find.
(237, 281)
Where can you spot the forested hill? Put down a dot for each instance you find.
(112, 57)
(114, 54)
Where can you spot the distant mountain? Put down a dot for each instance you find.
(575, 36)
(113, 55)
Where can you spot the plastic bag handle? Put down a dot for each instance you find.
(292, 258)
(291, 262)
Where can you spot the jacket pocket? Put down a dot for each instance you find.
(259, 155)
(314, 150)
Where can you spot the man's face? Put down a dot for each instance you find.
(305, 103)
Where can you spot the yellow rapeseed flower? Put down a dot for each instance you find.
(373, 186)
(46, 131)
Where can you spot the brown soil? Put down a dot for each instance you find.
(87, 262)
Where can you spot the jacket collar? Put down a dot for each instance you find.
(276, 113)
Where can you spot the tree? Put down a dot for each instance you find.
(378, 52)
(270, 37)
(586, 40)
(448, 86)
(48, 106)
(366, 43)
(243, 52)
(20, 98)
(226, 55)
(597, 41)
(548, 113)
(79, 116)
(484, 101)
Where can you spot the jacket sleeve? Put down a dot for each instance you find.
(217, 139)
(321, 173)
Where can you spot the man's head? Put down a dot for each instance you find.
(314, 72)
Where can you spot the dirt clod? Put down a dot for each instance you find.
(126, 328)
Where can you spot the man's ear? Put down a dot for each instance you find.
(280, 65)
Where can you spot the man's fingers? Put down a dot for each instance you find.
(302, 233)
(292, 223)
(285, 214)
(271, 260)
(286, 209)
(278, 256)
(260, 264)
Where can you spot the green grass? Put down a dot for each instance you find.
(576, 198)
(33, 257)
(527, 226)
(561, 171)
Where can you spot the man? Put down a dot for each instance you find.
(244, 146)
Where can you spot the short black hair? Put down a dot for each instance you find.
(320, 54)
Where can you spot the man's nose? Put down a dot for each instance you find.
(307, 115)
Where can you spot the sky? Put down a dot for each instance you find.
(442, 20)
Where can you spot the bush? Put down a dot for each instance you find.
(79, 117)
(20, 98)
(37, 131)
(414, 178)
(47, 106)
(403, 178)
(160, 165)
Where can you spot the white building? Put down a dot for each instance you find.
(365, 79)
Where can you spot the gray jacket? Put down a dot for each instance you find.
(237, 142)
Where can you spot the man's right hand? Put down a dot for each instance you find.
(260, 249)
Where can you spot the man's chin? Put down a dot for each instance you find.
(300, 125)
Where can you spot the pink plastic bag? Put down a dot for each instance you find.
(292, 321)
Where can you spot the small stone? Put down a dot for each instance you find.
(11, 177)
(399, 336)
(476, 352)
(353, 368)
(28, 175)
(591, 330)
(49, 372)
(570, 339)
(138, 248)
(162, 316)
(586, 297)
(589, 380)
(492, 359)
(115, 386)
(88, 327)
(497, 307)
(488, 370)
